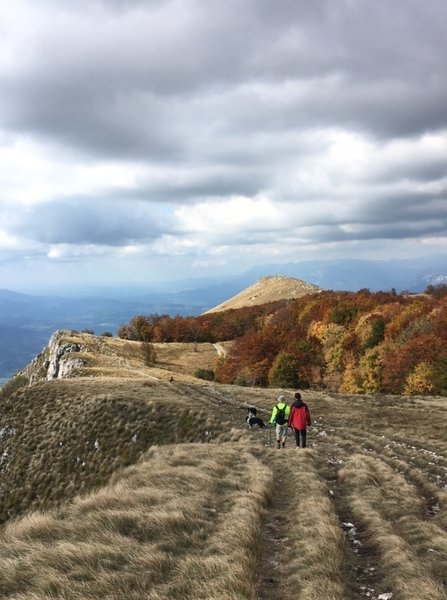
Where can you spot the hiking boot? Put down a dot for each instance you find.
(278, 445)
(283, 444)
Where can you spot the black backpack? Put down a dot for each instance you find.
(280, 418)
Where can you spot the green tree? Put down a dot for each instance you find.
(207, 374)
(285, 373)
(440, 373)
(377, 334)
(343, 314)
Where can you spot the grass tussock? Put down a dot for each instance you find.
(85, 436)
(316, 555)
(411, 546)
(185, 523)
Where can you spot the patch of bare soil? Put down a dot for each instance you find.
(364, 570)
(272, 567)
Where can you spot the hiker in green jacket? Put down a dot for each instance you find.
(280, 417)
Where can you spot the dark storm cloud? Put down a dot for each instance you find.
(410, 207)
(179, 189)
(126, 86)
(421, 168)
(208, 125)
(86, 221)
(134, 126)
(398, 216)
(123, 84)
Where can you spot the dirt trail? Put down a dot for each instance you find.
(330, 447)
(361, 556)
(275, 542)
(221, 352)
(360, 567)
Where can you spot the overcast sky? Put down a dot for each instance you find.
(153, 139)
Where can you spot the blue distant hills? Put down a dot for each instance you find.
(28, 320)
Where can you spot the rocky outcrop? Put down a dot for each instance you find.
(59, 360)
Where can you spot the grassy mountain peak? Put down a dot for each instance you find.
(268, 289)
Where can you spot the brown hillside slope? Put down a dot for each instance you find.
(155, 489)
(71, 354)
(268, 289)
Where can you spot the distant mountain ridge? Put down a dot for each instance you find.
(412, 274)
(27, 321)
(267, 289)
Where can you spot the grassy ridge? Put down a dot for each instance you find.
(184, 523)
(231, 521)
(63, 438)
(153, 514)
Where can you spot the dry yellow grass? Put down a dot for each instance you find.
(310, 546)
(187, 358)
(85, 430)
(412, 546)
(114, 357)
(268, 289)
(184, 523)
(361, 512)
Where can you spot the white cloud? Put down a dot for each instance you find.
(9, 242)
(217, 133)
(223, 217)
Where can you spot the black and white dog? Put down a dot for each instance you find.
(252, 418)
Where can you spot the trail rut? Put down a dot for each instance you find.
(275, 541)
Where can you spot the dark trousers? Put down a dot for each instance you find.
(300, 433)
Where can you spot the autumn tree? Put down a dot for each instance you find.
(398, 366)
(420, 380)
(437, 291)
(363, 341)
(370, 371)
(249, 359)
(350, 382)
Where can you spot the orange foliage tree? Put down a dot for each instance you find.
(351, 342)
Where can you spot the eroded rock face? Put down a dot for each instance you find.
(57, 361)
(61, 361)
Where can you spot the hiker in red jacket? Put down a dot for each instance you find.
(299, 419)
